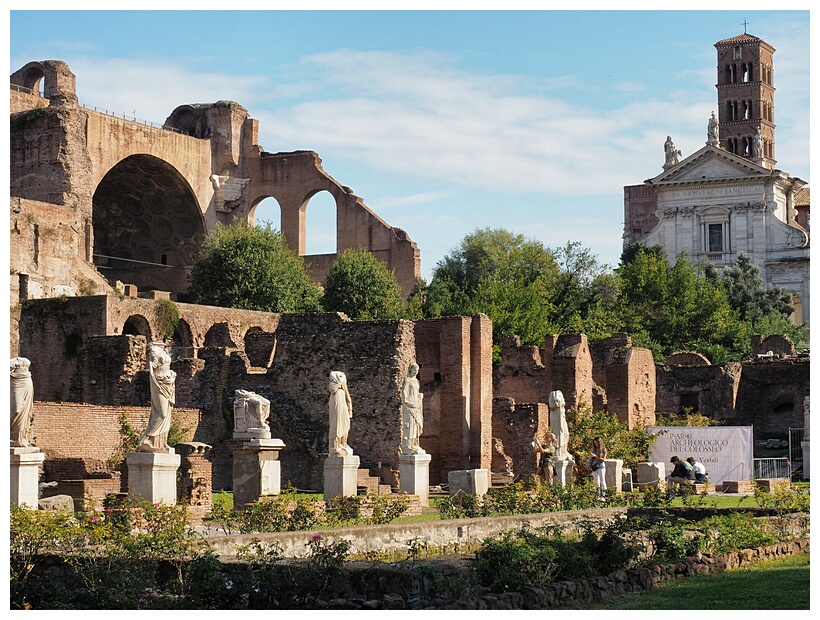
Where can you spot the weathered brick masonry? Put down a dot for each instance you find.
(80, 353)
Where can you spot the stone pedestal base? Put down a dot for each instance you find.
(256, 470)
(341, 476)
(563, 472)
(153, 476)
(414, 476)
(805, 445)
(25, 476)
(471, 481)
(652, 475)
(614, 475)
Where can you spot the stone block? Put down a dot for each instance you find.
(256, 470)
(471, 481)
(340, 476)
(614, 474)
(25, 476)
(563, 472)
(57, 502)
(652, 475)
(414, 476)
(153, 476)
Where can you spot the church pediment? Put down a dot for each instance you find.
(710, 163)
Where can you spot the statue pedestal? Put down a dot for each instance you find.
(153, 476)
(414, 476)
(563, 471)
(652, 475)
(25, 476)
(341, 476)
(256, 470)
(470, 481)
(614, 475)
(806, 453)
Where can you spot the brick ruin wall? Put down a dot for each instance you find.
(514, 426)
(293, 356)
(83, 444)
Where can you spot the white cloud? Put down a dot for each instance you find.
(415, 114)
(152, 89)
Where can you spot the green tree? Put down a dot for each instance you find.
(251, 267)
(509, 278)
(672, 308)
(746, 294)
(362, 287)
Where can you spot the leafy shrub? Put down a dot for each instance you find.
(734, 531)
(672, 541)
(516, 558)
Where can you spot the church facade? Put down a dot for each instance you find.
(728, 198)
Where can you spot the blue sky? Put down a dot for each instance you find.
(442, 121)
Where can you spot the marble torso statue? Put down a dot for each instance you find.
(558, 425)
(163, 395)
(412, 417)
(22, 401)
(340, 411)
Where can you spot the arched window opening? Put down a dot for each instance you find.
(219, 335)
(137, 325)
(267, 211)
(260, 347)
(320, 224)
(183, 341)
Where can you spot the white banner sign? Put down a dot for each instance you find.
(726, 451)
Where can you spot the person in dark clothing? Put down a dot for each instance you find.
(680, 472)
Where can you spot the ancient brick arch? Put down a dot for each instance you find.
(137, 325)
(183, 341)
(83, 158)
(147, 225)
(55, 76)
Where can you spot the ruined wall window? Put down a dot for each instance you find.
(738, 52)
(689, 403)
(320, 224)
(747, 72)
(137, 325)
(267, 211)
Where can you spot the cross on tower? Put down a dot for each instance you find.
(745, 23)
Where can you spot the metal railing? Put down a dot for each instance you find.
(796, 437)
(124, 116)
(772, 468)
(129, 118)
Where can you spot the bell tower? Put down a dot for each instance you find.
(745, 85)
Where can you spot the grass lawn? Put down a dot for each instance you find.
(774, 584)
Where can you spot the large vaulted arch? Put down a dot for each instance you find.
(147, 225)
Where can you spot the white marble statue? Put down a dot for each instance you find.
(22, 401)
(672, 154)
(412, 417)
(341, 412)
(713, 131)
(757, 144)
(163, 395)
(251, 412)
(558, 425)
